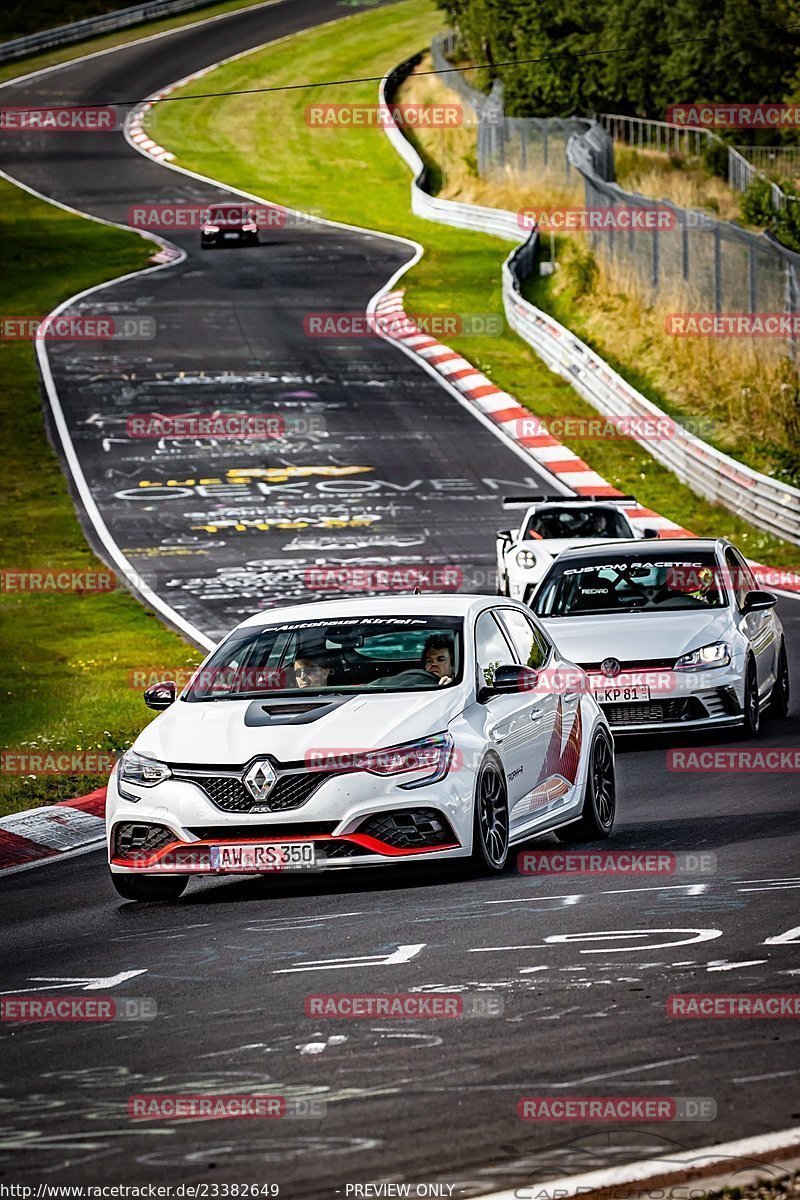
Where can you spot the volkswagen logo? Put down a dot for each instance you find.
(259, 780)
(611, 667)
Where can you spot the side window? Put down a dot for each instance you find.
(491, 648)
(531, 647)
(739, 578)
(746, 575)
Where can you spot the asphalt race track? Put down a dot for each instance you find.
(231, 965)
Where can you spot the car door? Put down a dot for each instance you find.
(758, 627)
(548, 716)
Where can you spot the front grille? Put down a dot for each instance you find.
(341, 849)
(135, 840)
(635, 664)
(654, 713)
(409, 829)
(230, 794)
(269, 833)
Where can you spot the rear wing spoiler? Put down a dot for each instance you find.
(526, 501)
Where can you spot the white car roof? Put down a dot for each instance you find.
(401, 604)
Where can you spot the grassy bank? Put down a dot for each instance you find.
(264, 144)
(64, 657)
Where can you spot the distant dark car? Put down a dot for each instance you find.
(229, 224)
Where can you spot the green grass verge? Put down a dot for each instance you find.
(263, 144)
(50, 58)
(64, 657)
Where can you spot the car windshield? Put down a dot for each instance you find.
(346, 655)
(230, 216)
(589, 521)
(631, 583)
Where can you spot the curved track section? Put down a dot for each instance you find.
(583, 965)
(378, 462)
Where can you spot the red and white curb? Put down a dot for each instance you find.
(765, 1158)
(508, 414)
(71, 826)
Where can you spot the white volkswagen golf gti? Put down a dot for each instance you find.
(672, 635)
(361, 733)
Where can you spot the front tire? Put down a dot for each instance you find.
(599, 796)
(490, 822)
(150, 888)
(779, 700)
(752, 709)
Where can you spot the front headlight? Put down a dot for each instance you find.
(211, 229)
(717, 654)
(431, 755)
(526, 559)
(250, 227)
(146, 772)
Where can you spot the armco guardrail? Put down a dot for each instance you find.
(64, 35)
(497, 221)
(764, 502)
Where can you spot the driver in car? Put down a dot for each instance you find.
(437, 658)
(598, 523)
(311, 671)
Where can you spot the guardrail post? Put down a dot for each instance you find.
(717, 269)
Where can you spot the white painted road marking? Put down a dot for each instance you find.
(791, 937)
(85, 984)
(402, 954)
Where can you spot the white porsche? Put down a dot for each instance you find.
(551, 525)
(675, 635)
(361, 733)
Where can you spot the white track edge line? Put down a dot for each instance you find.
(132, 577)
(651, 1168)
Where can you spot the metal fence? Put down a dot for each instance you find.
(695, 262)
(645, 134)
(783, 161)
(78, 31)
(526, 145)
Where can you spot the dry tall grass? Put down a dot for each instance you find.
(738, 393)
(683, 181)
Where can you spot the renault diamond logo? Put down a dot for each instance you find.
(611, 667)
(259, 780)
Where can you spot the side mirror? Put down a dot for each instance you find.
(648, 532)
(759, 602)
(505, 535)
(160, 695)
(509, 679)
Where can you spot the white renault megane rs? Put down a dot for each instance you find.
(364, 732)
(672, 635)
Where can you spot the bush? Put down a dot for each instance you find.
(580, 270)
(787, 223)
(715, 158)
(471, 164)
(756, 203)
